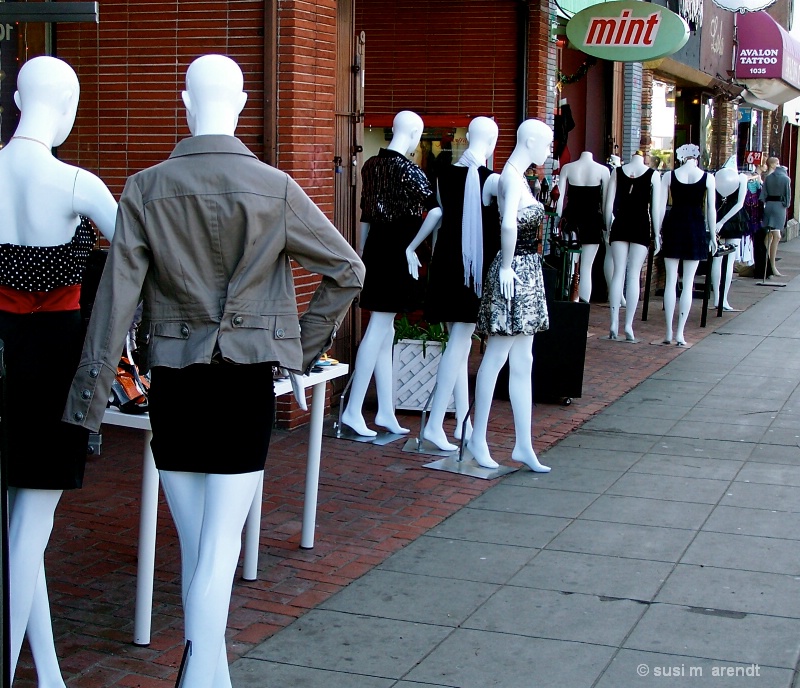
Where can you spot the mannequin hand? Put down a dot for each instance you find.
(507, 279)
(298, 389)
(712, 245)
(413, 263)
(658, 247)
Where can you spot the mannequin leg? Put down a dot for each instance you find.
(495, 356)
(379, 331)
(619, 254)
(30, 525)
(588, 253)
(384, 386)
(670, 294)
(716, 273)
(636, 255)
(40, 637)
(209, 511)
(608, 272)
(689, 269)
(461, 389)
(772, 240)
(520, 364)
(716, 276)
(450, 376)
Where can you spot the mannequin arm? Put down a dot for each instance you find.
(490, 188)
(431, 223)
(656, 208)
(739, 203)
(606, 184)
(564, 179)
(508, 234)
(711, 211)
(91, 198)
(362, 238)
(609, 194)
(661, 204)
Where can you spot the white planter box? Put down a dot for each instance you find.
(414, 374)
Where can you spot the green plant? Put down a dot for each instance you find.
(421, 331)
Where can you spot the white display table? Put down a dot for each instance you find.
(150, 481)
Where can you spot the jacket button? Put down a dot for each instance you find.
(238, 320)
(279, 333)
(86, 394)
(94, 372)
(184, 330)
(78, 415)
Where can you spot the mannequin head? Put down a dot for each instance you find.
(727, 180)
(47, 96)
(406, 132)
(213, 96)
(535, 138)
(688, 154)
(772, 163)
(482, 136)
(614, 160)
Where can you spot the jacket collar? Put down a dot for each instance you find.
(211, 143)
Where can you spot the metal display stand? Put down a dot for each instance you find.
(338, 430)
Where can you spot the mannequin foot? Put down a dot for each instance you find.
(530, 460)
(356, 422)
(681, 343)
(480, 452)
(467, 430)
(629, 336)
(613, 335)
(390, 423)
(776, 273)
(437, 437)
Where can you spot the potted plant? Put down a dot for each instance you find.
(418, 348)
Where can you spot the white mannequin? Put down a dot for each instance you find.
(687, 173)
(209, 510)
(584, 172)
(727, 181)
(608, 261)
(534, 139)
(41, 203)
(375, 350)
(452, 377)
(629, 256)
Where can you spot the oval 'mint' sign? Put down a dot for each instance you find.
(627, 31)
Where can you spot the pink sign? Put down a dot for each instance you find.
(766, 50)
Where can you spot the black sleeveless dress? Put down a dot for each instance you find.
(683, 233)
(447, 298)
(632, 219)
(736, 226)
(583, 213)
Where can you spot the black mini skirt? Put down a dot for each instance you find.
(212, 418)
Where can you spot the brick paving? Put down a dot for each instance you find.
(372, 502)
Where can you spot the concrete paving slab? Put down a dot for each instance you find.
(692, 373)
(695, 429)
(789, 437)
(558, 615)
(623, 540)
(644, 409)
(473, 659)
(609, 441)
(408, 597)
(630, 424)
(525, 500)
(744, 553)
(574, 477)
(698, 632)
(562, 455)
(734, 402)
(763, 496)
(473, 561)
(776, 474)
(381, 648)
(688, 467)
(752, 592)
(652, 670)
(258, 673)
(647, 512)
(780, 454)
(671, 397)
(500, 527)
(593, 574)
(714, 449)
(710, 414)
(758, 522)
(670, 487)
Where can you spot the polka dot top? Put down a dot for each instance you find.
(45, 268)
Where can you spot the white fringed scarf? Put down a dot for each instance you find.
(472, 223)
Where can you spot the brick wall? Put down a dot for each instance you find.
(634, 108)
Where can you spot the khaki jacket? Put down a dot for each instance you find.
(204, 239)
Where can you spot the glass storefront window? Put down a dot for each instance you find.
(662, 125)
(706, 131)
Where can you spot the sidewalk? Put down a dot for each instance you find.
(664, 542)
(576, 574)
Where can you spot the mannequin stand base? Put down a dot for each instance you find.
(770, 284)
(661, 342)
(415, 445)
(467, 466)
(345, 432)
(622, 340)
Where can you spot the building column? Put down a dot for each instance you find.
(646, 138)
(633, 130)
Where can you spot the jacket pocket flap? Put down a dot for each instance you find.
(177, 330)
(286, 327)
(254, 322)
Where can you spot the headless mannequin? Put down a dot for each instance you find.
(608, 261)
(375, 350)
(209, 510)
(533, 147)
(452, 375)
(687, 173)
(584, 172)
(42, 201)
(628, 256)
(728, 181)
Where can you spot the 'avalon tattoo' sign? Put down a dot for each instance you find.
(627, 31)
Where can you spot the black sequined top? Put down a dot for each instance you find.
(44, 268)
(394, 189)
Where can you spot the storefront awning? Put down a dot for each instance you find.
(767, 59)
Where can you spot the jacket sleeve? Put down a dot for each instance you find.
(318, 246)
(117, 298)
